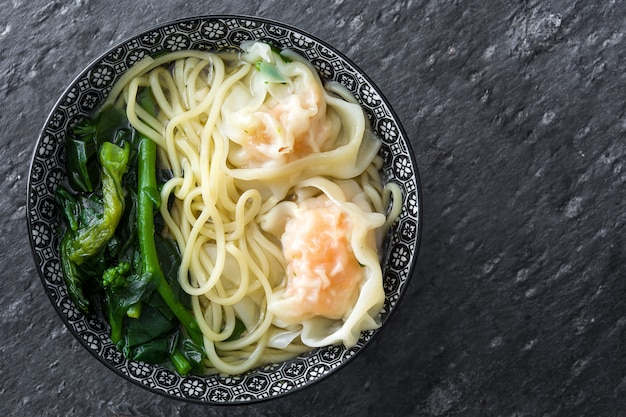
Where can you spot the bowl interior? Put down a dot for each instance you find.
(85, 94)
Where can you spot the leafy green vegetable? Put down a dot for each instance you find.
(113, 258)
(91, 238)
(91, 226)
(123, 298)
(83, 143)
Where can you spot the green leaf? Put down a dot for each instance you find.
(150, 326)
(153, 351)
(82, 171)
(110, 121)
(69, 207)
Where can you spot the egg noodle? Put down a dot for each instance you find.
(279, 209)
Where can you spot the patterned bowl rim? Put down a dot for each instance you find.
(266, 22)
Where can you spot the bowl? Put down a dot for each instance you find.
(85, 94)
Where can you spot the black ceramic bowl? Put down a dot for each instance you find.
(87, 92)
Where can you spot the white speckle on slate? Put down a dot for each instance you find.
(573, 207)
(356, 23)
(579, 365)
(496, 341)
(548, 117)
(490, 264)
(530, 344)
(615, 39)
(442, 399)
(491, 49)
(522, 275)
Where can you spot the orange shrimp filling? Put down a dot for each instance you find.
(290, 128)
(323, 272)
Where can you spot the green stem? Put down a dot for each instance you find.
(182, 365)
(147, 200)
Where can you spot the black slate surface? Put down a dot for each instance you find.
(516, 114)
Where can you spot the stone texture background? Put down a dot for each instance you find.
(517, 117)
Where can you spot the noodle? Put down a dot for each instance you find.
(257, 145)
